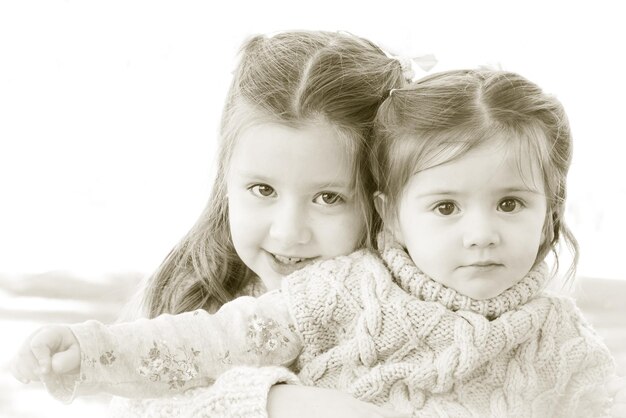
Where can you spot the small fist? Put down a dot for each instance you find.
(51, 348)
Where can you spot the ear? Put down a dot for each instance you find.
(391, 225)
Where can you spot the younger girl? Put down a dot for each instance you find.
(449, 317)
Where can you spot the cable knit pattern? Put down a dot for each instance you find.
(394, 337)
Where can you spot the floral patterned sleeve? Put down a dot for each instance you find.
(172, 353)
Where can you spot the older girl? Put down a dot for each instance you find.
(292, 187)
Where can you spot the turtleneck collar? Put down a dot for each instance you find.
(412, 280)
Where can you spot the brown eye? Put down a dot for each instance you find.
(446, 208)
(328, 198)
(262, 190)
(509, 205)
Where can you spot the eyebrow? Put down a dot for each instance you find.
(506, 190)
(318, 185)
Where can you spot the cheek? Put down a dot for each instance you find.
(536, 231)
(412, 228)
(426, 251)
(242, 212)
(340, 235)
(356, 233)
(234, 223)
(528, 238)
(242, 222)
(430, 245)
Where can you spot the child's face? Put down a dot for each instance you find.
(475, 224)
(290, 200)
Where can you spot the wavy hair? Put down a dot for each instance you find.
(292, 78)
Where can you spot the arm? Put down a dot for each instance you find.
(253, 392)
(240, 391)
(310, 402)
(172, 353)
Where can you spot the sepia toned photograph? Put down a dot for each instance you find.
(335, 209)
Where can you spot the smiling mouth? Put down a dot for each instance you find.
(288, 260)
(285, 265)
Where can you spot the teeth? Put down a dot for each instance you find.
(288, 260)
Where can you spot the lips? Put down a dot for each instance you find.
(288, 260)
(285, 265)
(482, 266)
(481, 262)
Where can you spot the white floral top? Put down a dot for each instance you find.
(172, 353)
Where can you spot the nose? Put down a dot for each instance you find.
(480, 231)
(290, 224)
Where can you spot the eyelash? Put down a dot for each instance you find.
(441, 204)
(336, 198)
(519, 205)
(255, 190)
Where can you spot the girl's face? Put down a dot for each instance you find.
(290, 199)
(475, 224)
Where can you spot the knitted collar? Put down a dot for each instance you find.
(412, 280)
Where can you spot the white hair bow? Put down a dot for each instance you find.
(423, 64)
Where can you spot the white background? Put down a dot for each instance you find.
(109, 111)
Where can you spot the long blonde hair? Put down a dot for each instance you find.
(291, 78)
(443, 116)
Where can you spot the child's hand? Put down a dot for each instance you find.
(50, 348)
(617, 390)
(308, 401)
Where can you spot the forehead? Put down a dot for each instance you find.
(315, 152)
(501, 161)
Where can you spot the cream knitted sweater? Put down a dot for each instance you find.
(392, 336)
(379, 329)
